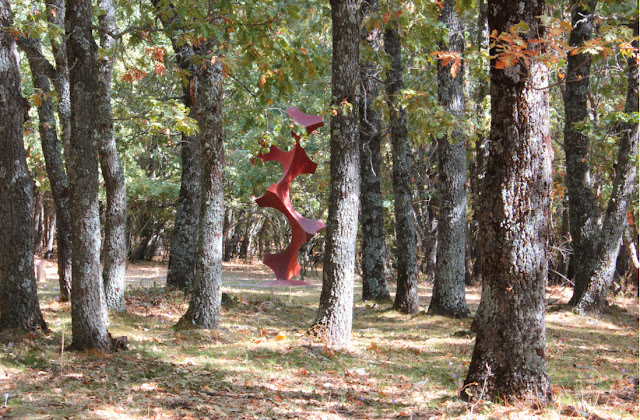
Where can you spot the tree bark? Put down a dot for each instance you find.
(478, 165)
(374, 281)
(55, 11)
(114, 248)
(41, 72)
(88, 310)
(185, 232)
(594, 297)
(508, 360)
(204, 308)
(406, 300)
(448, 296)
(335, 312)
(19, 307)
(584, 213)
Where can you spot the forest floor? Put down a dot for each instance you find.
(262, 364)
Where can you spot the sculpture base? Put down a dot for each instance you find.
(287, 283)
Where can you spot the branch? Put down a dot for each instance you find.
(32, 49)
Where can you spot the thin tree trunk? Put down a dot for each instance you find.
(406, 300)
(115, 230)
(204, 308)
(51, 229)
(88, 309)
(478, 165)
(37, 222)
(427, 223)
(448, 288)
(55, 11)
(185, 231)
(19, 307)
(374, 281)
(335, 313)
(509, 360)
(594, 298)
(584, 212)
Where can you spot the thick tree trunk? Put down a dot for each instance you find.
(508, 360)
(204, 308)
(115, 228)
(448, 289)
(335, 313)
(374, 281)
(594, 297)
(88, 310)
(406, 300)
(19, 307)
(584, 212)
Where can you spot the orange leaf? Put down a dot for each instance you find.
(263, 80)
(281, 336)
(386, 17)
(455, 67)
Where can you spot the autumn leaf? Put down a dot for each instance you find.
(386, 17)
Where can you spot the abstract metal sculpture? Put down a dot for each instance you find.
(295, 162)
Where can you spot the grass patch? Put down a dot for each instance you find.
(261, 364)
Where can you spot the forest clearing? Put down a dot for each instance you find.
(262, 364)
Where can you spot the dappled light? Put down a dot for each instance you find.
(261, 362)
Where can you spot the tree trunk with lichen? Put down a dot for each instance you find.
(594, 297)
(448, 296)
(406, 299)
(114, 248)
(374, 281)
(584, 213)
(19, 306)
(335, 313)
(88, 308)
(508, 359)
(185, 231)
(204, 308)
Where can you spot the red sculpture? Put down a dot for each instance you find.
(295, 162)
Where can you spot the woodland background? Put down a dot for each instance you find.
(153, 64)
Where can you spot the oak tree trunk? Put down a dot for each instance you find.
(204, 308)
(584, 213)
(594, 297)
(19, 306)
(185, 231)
(335, 313)
(374, 281)
(508, 359)
(406, 300)
(448, 296)
(55, 11)
(41, 72)
(114, 248)
(88, 309)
